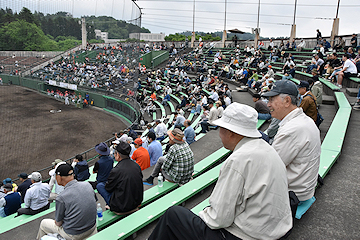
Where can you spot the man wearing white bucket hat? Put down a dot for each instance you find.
(250, 199)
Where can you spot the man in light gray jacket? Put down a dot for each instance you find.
(297, 141)
(250, 199)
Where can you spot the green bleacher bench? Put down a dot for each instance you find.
(163, 113)
(197, 120)
(330, 85)
(11, 221)
(183, 94)
(209, 161)
(149, 196)
(334, 138)
(172, 108)
(198, 208)
(206, 91)
(260, 123)
(197, 130)
(175, 98)
(296, 81)
(200, 135)
(355, 79)
(190, 117)
(341, 100)
(327, 160)
(134, 222)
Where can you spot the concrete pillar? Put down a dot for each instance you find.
(293, 32)
(83, 33)
(257, 37)
(223, 38)
(334, 31)
(193, 39)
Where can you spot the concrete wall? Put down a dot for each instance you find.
(29, 53)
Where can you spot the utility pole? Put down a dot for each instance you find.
(293, 26)
(335, 28)
(224, 32)
(193, 31)
(72, 9)
(112, 8)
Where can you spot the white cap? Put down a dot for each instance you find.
(241, 119)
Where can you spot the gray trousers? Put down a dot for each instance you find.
(157, 169)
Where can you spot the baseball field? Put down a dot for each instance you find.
(36, 129)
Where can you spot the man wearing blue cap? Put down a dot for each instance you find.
(297, 141)
(24, 186)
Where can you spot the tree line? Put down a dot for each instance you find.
(54, 32)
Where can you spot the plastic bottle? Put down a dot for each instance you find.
(99, 212)
(160, 180)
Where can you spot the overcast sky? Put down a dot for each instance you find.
(176, 16)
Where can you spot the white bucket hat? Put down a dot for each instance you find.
(241, 119)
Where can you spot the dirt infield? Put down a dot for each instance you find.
(32, 137)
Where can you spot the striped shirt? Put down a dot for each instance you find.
(179, 163)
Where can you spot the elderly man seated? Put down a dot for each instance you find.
(11, 202)
(75, 214)
(297, 141)
(36, 198)
(123, 191)
(178, 164)
(257, 208)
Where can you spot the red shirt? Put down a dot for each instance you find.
(142, 157)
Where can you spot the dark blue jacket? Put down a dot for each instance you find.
(23, 187)
(13, 203)
(81, 171)
(103, 168)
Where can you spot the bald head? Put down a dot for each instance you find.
(187, 123)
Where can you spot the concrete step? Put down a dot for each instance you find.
(328, 100)
(352, 92)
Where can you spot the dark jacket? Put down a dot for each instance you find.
(13, 203)
(103, 168)
(81, 171)
(125, 183)
(23, 187)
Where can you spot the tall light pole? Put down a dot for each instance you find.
(139, 16)
(224, 32)
(335, 28)
(257, 31)
(293, 26)
(193, 31)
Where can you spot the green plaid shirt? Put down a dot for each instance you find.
(179, 163)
